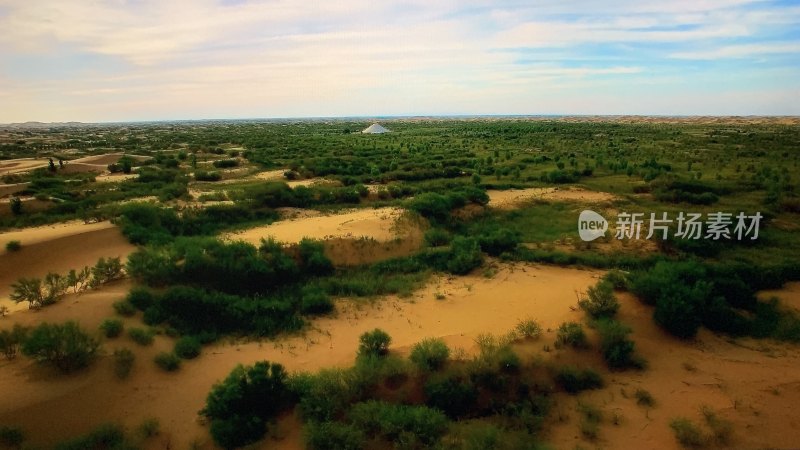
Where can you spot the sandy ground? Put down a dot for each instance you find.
(57, 248)
(115, 177)
(10, 189)
(277, 175)
(51, 406)
(9, 166)
(510, 198)
(375, 224)
(752, 383)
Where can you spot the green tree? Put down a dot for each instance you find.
(11, 340)
(28, 290)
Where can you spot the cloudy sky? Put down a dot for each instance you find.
(114, 60)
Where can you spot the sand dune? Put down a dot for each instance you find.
(739, 379)
(511, 198)
(376, 224)
(57, 248)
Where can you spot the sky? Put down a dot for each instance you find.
(126, 60)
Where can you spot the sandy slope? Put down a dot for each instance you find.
(752, 383)
(511, 198)
(57, 248)
(369, 223)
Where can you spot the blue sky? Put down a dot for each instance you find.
(113, 60)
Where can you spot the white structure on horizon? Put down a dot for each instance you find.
(375, 129)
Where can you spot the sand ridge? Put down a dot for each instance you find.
(513, 197)
(375, 224)
(739, 379)
(57, 248)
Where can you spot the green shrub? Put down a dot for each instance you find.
(123, 362)
(141, 298)
(107, 436)
(437, 237)
(455, 396)
(617, 278)
(111, 328)
(498, 240)
(394, 423)
(333, 436)
(13, 246)
(721, 429)
(600, 301)
(374, 343)
(11, 340)
(225, 163)
(644, 398)
(429, 354)
(314, 301)
(571, 333)
(324, 396)
(11, 437)
(66, 346)
(528, 329)
(149, 428)
(124, 308)
(202, 175)
(465, 255)
(574, 380)
(618, 350)
(141, 336)
(168, 361)
(687, 433)
(106, 270)
(188, 347)
(239, 406)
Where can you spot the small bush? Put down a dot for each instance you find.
(618, 350)
(437, 237)
(528, 329)
(721, 429)
(617, 278)
(393, 423)
(66, 346)
(375, 343)
(123, 362)
(456, 396)
(188, 347)
(140, 297)
(141, 336)
(104, 436)
(600, 301)
(574, 380)
(168, 361)
(11, 340)
(124, 308)
(11, 437)
(333, 436)
(429, 354)
(239, 405)
(571, 333)
(687, 433)
(111, 328)
(13, 246)
(149, 428)
(591, 417)
(644, 398)
(315, 301)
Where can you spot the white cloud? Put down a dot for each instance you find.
(742, 51)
